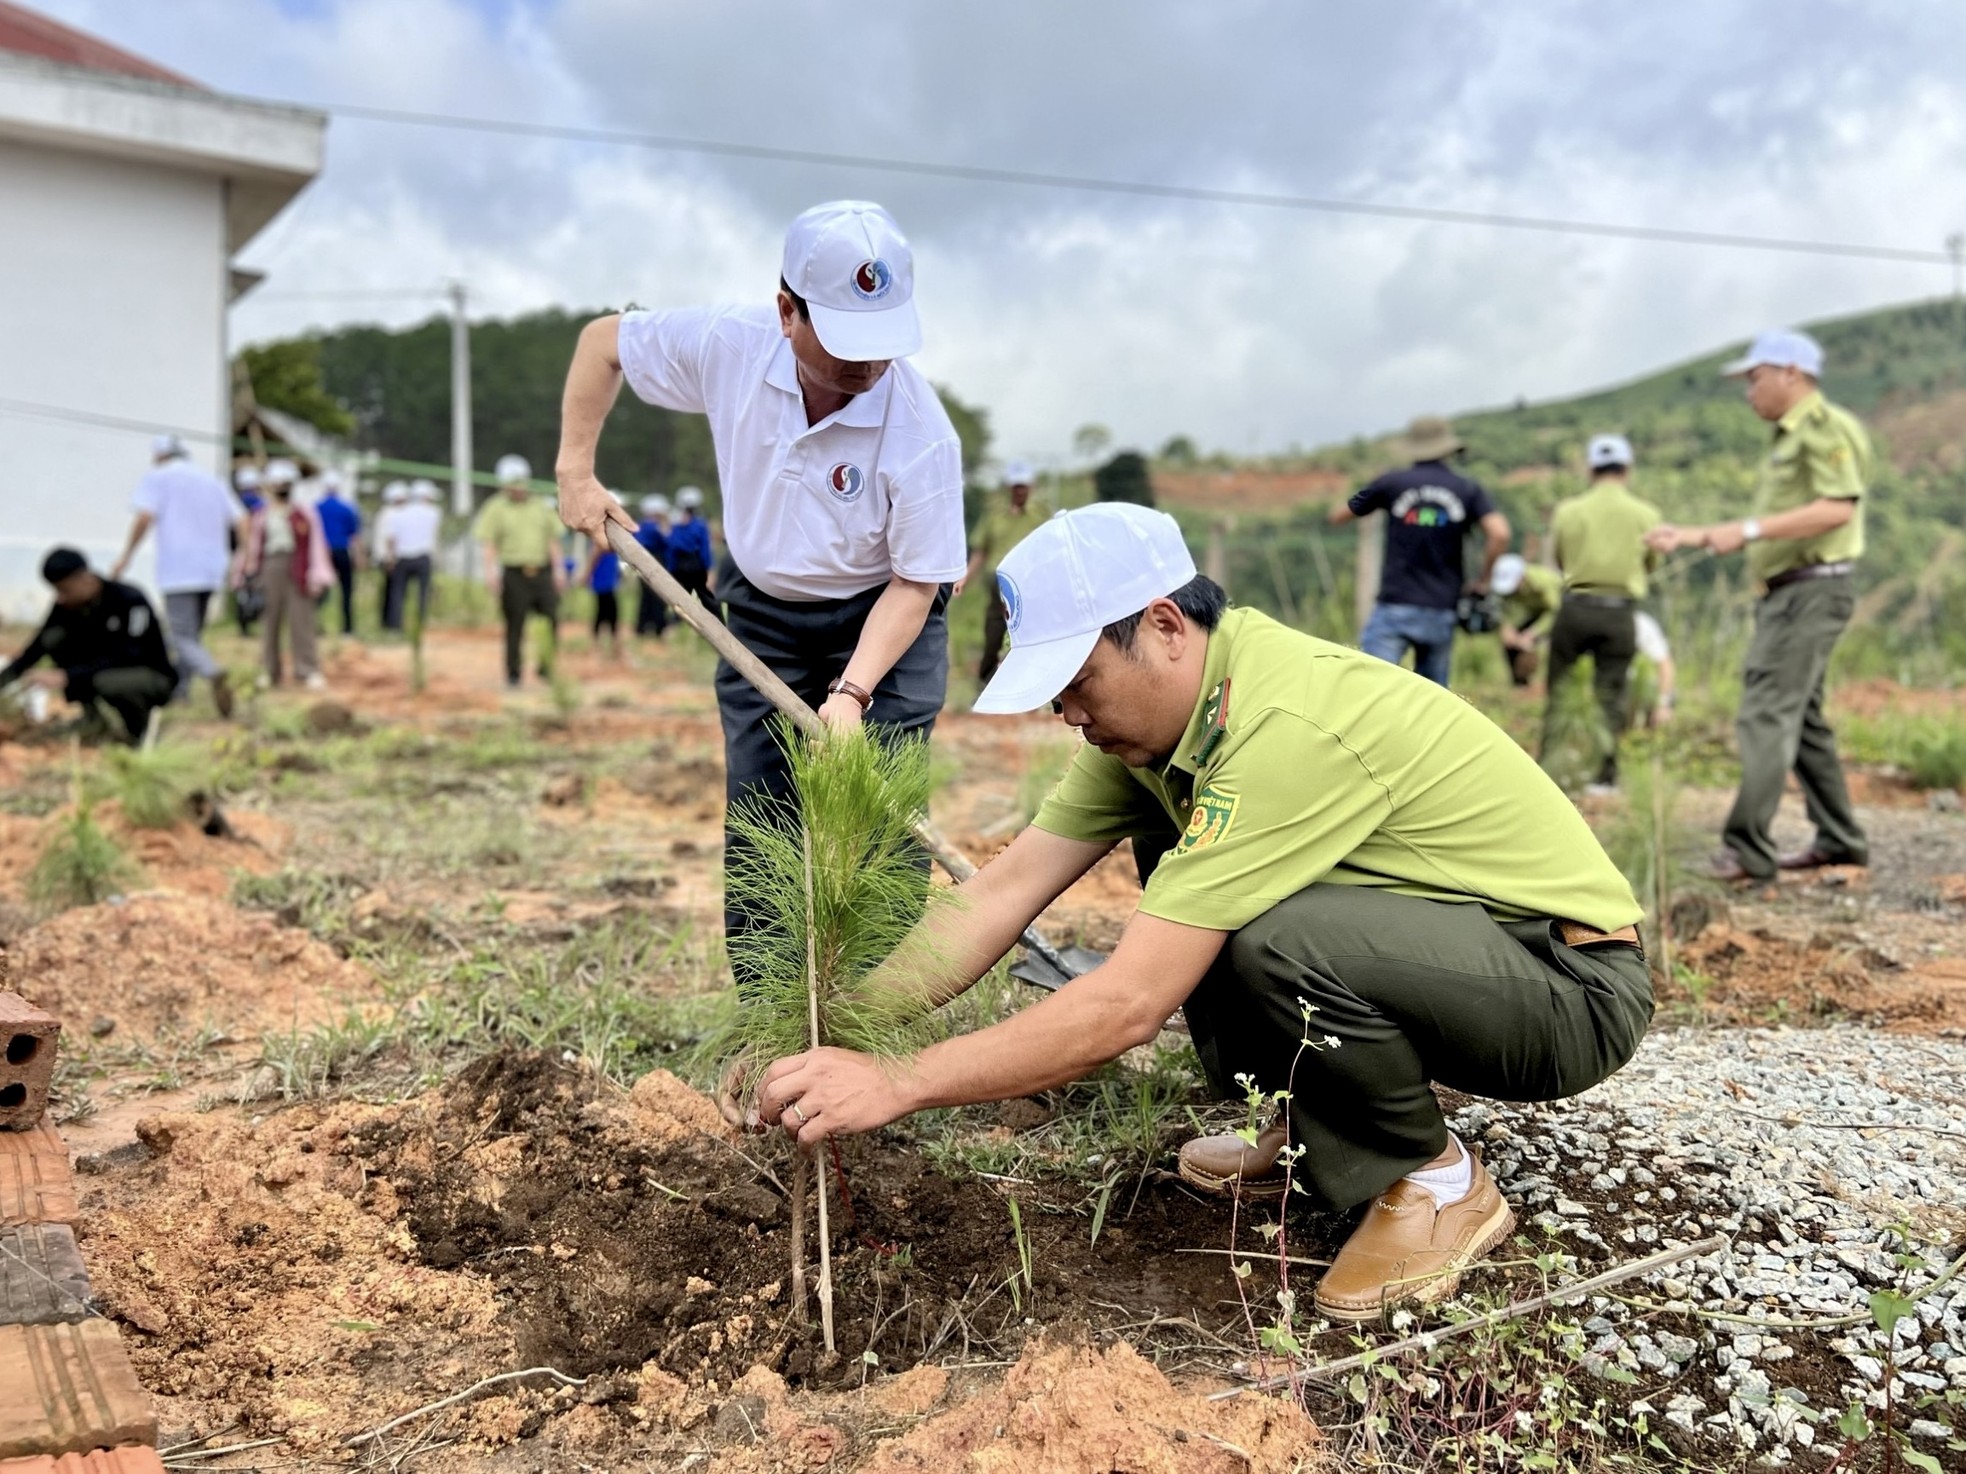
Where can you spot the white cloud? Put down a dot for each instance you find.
(1246, 328)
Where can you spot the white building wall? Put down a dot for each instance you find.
(112, 309)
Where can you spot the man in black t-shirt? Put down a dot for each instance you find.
(1430, 510)
(103, 638)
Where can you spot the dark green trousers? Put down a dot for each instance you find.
(523, 592)
(1781, 727)
(1605, 631)
(1403, 992)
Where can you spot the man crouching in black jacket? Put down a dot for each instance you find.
(106, 643)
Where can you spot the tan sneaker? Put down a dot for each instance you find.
(1406, 1249)
(1226, 1164)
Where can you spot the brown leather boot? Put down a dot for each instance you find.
(1226, 1164)
(1407, 1249)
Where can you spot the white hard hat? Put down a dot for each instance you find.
(281, 472)
(653, 503)
(246, 478)
(162, 447)
(1609, 450)
(423, 490)
(1507, 577)
(689, 496)
(331, 479)
(512, 468)
(395, 493)
(1019, 473)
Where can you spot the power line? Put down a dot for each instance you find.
(30, 410)
(983, 174)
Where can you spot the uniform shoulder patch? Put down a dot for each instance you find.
(1215, 811)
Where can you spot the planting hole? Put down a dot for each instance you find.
(20, 1048)
(12, 1096)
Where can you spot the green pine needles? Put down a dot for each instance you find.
(838, 878)
(856, 801)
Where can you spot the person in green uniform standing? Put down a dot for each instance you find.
(521, 538)
(1366, 887)
(1530, 595)
(1803, 542)
(1001, 527)
(1602, 554)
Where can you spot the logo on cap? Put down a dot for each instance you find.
(846, 481)
(1013, 603)
(872, 279)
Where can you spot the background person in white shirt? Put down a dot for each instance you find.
(198, 522)
(410, 543)
(841, 478)
(395, 497)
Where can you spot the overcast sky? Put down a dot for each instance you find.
(1246, 328)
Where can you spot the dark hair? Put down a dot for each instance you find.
(1598, 473)
(62, 563)
(1201, 598)
(805, 312)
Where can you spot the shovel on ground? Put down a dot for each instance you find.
(1043, 965)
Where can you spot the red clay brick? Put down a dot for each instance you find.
(42, 1278)
(131, 1459)
(27, 1061)
(69, 1389)
(35, 1184)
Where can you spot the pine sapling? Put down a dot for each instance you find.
(836, 877)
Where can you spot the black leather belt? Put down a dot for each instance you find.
(1811, 570)
(1601, 601)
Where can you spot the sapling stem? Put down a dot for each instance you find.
(801, 1176)
(819, 1162)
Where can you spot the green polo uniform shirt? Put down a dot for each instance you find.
(1600, 540)
(1536, 598)
(1820, 450)
(521, 534)
(1309, 762)
(1001, 528)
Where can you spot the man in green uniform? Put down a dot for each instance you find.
(521, 538)
(1600, 548)
(1366, 887)
(1803, 542)
(1530, 595)
(1001, 528)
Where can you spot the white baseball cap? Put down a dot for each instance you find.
(1779, 348)
(1507, 576)
(1067, 581)
(246, 478)
(330, 480)
(851, 264)
(423, 490)
(1609, 450)
(1018, 473)
(281, 472)
(512, 468)
(653, 503)
(396, 493)
(689, 496)
(164, 446)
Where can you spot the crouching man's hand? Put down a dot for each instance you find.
(831, 1092)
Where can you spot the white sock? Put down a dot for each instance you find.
(1451, 1183)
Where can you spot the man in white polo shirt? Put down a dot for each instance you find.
(841, 477)
(198, 520)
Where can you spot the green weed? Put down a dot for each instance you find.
(79, 865)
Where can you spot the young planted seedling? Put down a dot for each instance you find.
(837, 875)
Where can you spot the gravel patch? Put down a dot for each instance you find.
(1826, 1156)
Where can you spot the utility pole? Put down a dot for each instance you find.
(1371, 558)
(1956, 248)
(461, 499)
